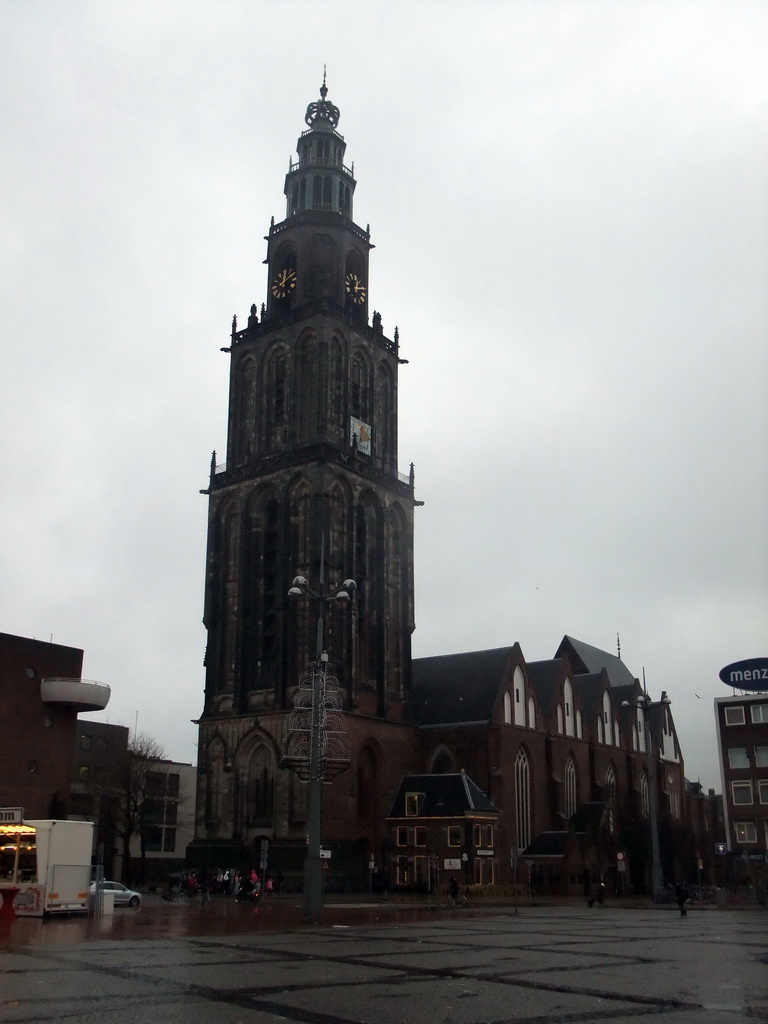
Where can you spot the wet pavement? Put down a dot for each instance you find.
(387, 964)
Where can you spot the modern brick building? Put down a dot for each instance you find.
(742, 737)
(41, 695)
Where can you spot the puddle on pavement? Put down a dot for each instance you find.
(163, 920)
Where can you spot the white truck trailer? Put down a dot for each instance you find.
(49, 862)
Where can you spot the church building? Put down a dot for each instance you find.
(308, 499)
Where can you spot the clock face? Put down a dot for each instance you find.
(355, 289)
(284, 283)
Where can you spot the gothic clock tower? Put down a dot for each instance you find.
(311, 466)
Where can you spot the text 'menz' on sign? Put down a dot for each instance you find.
(751, 674)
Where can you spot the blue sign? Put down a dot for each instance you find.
(751, 674)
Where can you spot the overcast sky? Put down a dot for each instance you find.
(570, 212)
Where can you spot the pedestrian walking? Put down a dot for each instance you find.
(598, 897)
(453, 890)
(681, 895)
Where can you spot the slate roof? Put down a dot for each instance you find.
(586, 658)
(543, 677)
(444, 796)
(452, 688)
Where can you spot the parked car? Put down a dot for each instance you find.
(124, 897)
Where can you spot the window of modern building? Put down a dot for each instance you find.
(85, 741)
(741, 792)
(745, 831)
(734, 716)
(761, 757)
(737, 757)
(762, 791)
(401, 835)
(760, 714)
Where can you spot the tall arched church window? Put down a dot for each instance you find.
(579, 730)
(645, 798)
(610, 783)
(568, 701)
(522, 800)
(214, 781)
(518, 683)
(442, 762)
(336, 383)
(507, 708)
(607, 718)
(616, 733)
(257, 795)
(247, 415)
(560, 719)
(321, 278)
(358, 388)
(384, 418)
(570, 789)
(531, 713)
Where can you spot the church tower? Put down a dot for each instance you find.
(311, 466)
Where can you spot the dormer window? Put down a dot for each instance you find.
(412, 804)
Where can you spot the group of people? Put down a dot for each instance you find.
(222, 881)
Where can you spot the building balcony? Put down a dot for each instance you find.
(83, 694)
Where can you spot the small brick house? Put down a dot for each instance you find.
(442, 826)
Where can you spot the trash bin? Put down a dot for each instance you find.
(107, 903)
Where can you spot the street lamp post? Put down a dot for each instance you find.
(645, 704)
(313, 868)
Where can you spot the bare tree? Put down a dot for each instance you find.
(130, 793)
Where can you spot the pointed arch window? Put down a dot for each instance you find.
(519, 688)
(571, 797)
(568, 702)
(645, 796)
(560, 719)
(607, 719)
(579, 728)
(523, 799)
(531, 713)
(507, 708)
(358, 388)
(610, 783)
